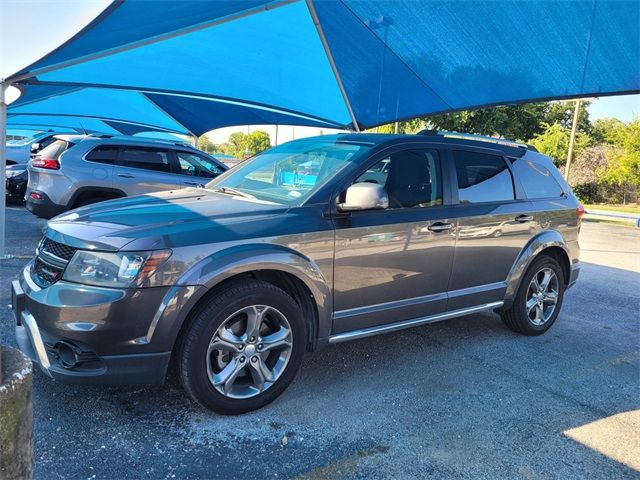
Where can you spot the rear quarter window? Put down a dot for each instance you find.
(536, 179)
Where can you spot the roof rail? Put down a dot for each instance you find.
(100, 135)
(480, 138)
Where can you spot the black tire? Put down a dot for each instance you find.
(194, 342)
(516, 317)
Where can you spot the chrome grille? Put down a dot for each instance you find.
(52, 258)
(64, 252)
(45, 274)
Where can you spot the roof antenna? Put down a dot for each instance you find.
(84, 132)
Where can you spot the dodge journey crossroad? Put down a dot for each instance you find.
(314, 242)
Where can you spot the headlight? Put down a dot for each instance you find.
(122, 269)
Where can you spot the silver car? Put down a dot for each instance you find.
(314, 242)
(78, 170)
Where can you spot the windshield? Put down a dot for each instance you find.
(290, 173)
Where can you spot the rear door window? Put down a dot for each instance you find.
(197, 166)
(106, 154)
(482, 177)
(146, 158)
(536, 179)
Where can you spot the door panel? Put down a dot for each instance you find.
(493, 228)
(390, 272)
(394, 264)
(489, 239)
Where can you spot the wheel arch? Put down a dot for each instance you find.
(549, 242)
(83, 193)
(283, 267)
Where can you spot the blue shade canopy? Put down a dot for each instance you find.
(349, 63)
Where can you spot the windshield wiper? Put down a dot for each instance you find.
(233, 191)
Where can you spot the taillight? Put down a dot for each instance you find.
(50, 163)
(580, 211)
(35, 196)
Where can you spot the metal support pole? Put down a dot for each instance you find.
(572, 139)
(276, 134)
(3, 162)
(396, 127)
(195, 141)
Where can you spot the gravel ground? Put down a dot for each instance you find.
(465, 398)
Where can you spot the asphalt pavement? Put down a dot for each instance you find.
(466, 398)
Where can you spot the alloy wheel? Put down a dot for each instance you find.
(542, 296)
(249, 351)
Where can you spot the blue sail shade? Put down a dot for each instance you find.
(349, 63)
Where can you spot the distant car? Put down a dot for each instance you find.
(20, 151)
(78, 170)
(16, 183)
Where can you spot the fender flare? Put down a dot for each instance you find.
(214, 269)
(545, 239)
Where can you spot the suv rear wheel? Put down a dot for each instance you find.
(242, 348)
(539, 298)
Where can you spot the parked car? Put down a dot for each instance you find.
(16, 181)
(237, 280)
(19, 151)
(78, 170)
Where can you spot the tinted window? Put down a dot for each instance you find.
(411, 178)
(55, 149)
(103, 154)
(537, 180)
(482, 178)
(197, 165)
(147, 158)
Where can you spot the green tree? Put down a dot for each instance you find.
(206, 145)
(257, 142)
(624, 163)
(242, 145)
(554, 142)
(515, 122)
(607, 130)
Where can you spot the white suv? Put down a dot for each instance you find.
(77, 170)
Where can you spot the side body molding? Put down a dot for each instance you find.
(214, 269)
(545, 239)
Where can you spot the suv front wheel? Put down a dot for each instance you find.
(539, 298)
(242, 348)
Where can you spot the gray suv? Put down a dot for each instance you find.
(314, 242)
(77, 170)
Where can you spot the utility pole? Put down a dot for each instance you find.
(572, 139)
(3, 162)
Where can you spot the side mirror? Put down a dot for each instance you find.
(364, 196)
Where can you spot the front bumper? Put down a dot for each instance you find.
(114, 336)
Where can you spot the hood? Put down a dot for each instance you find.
(163, 220)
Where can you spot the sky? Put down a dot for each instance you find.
(30, 29)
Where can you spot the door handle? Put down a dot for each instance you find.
(524, 218)
(125, 175)
(440, 227)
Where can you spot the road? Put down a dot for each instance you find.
(465, 398)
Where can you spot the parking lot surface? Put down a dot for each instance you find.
(466, 398)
